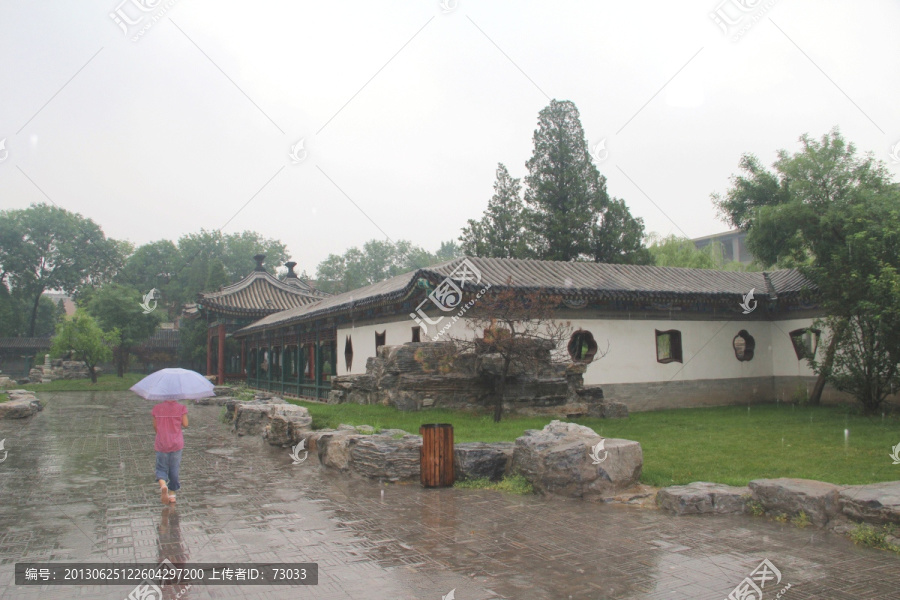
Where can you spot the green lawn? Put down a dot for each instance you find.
(105, 383)
(724, 444)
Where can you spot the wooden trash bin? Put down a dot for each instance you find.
(437, 455)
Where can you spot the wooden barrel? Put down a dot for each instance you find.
(437, 455)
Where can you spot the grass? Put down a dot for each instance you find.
(512, 484)
(3, 397)
(866, 535)
(730, 445)
(105, 383)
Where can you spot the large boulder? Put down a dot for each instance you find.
(250, 418)
(877, 503)
(557, 460)
(20, 408)
(333, 448)
(386, 457)
(818, 499)
(701, 497)
(475, 460)
(287, 423)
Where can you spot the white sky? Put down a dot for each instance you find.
(408, 109)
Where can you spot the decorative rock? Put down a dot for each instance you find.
(334, 449)
(223, 390)
(701, 497)
(6, 382)
(288, 423)
(478, 459)
(557, 460)
(819, 500)
(214, 400)
(877, 503)
(383, 457)
(609, 410)
(250, 418)
(19, 409)
(368, 429)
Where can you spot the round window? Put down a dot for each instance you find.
(743, 345)
(582, 346)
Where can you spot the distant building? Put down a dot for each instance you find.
(68, 303)
(734, 245)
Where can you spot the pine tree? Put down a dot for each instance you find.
(501, 232)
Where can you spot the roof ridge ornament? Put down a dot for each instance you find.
(259, 258)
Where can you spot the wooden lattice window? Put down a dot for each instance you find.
(416, 334)
(348, 353)
(805, 342)
(668, 346)
(380, 339)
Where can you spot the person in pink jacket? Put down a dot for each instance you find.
(168, 419)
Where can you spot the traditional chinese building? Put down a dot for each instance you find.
(235, 306)
(668, 337)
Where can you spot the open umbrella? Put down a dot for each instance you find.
(173, 384)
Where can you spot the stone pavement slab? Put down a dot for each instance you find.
(77, 486)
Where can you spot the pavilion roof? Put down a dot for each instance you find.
(571, 280)
(259, 294)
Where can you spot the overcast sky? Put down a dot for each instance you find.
(404, 109)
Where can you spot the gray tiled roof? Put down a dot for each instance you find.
(572, 279)
(259, 294)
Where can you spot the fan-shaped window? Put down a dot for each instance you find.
(582, 346)
(668, 346)
(805, 342)
(743, 344)
(348, 353)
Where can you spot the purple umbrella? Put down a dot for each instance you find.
(173, 384)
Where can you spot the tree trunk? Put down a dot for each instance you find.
(93, 373)
(121, 361)
(34, 310)
(816, 397)
(501, 389)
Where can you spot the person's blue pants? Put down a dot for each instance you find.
(168, 464)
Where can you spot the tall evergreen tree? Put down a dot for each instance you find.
(569, 211)
(501, 232)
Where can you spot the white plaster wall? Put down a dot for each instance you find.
(397, 333)
(631, 357)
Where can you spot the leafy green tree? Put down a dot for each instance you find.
(118, 308)
(15, 307)
(836, 216)
(674, 251)
(570, 213)
(378, 260)
(502, 231)
(81, 337)
(48, 248)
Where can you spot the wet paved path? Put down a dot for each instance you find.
(77, 486)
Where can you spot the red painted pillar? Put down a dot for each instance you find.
(220, 377)
(208, 351)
